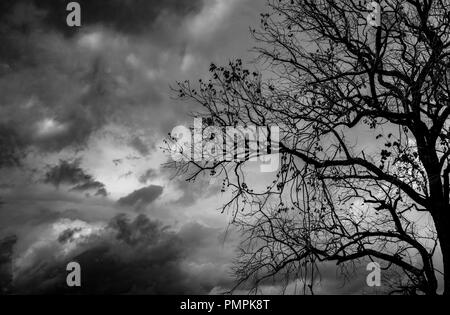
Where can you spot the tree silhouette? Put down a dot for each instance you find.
(363, 112)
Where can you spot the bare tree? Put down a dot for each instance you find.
(365, 163)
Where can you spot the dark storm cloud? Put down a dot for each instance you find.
(9, 147)
(139, 145)
(142, 197)
(141, 230)
(6, 252)
(61, 88)
(71, 174)
(131, 256)
(148, 175)
(47, 100)
(11, 216)
(130, 16)
(201, 188)
(56, 93)
(68, 235)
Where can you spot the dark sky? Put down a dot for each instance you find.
(82, 115)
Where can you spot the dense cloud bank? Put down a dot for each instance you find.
(127, 256)
(81, 114)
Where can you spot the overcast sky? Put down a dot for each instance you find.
(85, 111)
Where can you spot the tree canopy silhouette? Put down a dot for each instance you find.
(364, 117)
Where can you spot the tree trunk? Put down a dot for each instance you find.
(443, 229)
(446, 258)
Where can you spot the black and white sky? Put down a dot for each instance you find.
(82, 115)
